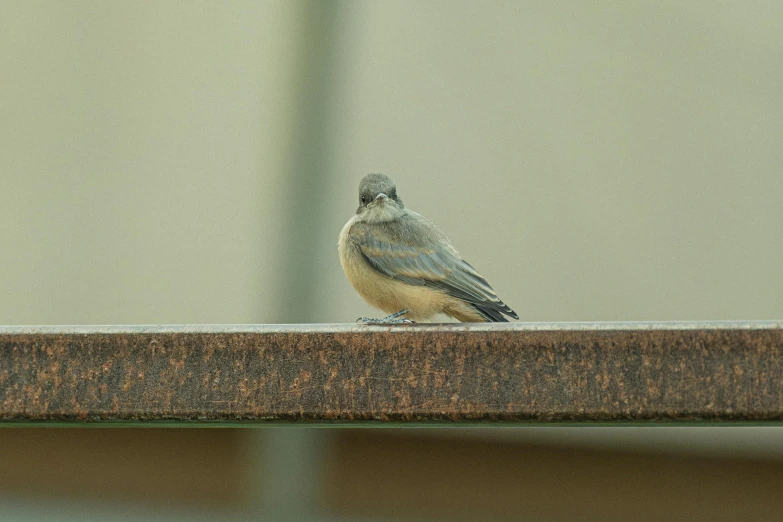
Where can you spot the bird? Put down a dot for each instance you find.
(401, 263)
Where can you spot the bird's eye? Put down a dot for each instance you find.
(364, 200)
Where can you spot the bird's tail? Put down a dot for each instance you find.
(493, 315)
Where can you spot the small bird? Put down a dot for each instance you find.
(399, 262)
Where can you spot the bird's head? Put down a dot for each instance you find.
(378, 199)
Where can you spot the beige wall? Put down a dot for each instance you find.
(140, 147)
(596, 161)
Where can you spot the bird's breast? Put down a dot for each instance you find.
(382, 292)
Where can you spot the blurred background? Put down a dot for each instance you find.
(194, 162)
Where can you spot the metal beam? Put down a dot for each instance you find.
(578, 372)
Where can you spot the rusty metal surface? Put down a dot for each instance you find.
(437, 373)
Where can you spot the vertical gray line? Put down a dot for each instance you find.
(311, 148)
(290, 469)
(290, 459)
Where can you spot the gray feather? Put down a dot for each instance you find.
(410, 249)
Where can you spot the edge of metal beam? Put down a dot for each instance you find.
(361, 328)
(515, 373)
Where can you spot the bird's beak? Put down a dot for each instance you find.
(381, 198)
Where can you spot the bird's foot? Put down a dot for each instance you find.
(391, 319)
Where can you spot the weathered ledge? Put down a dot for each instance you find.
(510, 373)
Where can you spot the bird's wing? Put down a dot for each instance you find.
(414, 252)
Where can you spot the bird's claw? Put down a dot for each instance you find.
(391, 319)
(375, 320)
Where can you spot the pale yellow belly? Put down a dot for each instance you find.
(391, 296)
